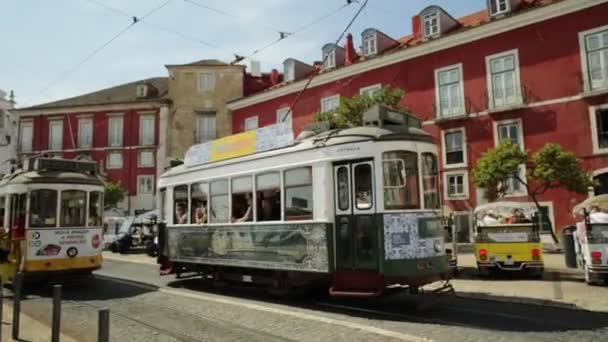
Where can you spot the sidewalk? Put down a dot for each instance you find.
(30, 330)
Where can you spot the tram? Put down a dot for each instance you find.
(356, 210)
(51, 215)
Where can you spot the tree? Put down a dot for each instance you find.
(550, 167)
(114, 193)
(349, 112)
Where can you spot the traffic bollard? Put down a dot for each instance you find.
(103, 326)
(17, 284)
(56, 325)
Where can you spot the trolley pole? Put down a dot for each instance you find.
(103, 326)
(56, 323)
(17, 283)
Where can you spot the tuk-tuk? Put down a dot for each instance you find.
(588, 247)
(451, 243)
(137, 232)
(507, 238)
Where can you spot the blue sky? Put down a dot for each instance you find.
(42, 40)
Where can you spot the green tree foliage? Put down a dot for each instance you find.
(349, 112)
(114, 193)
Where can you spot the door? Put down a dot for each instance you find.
(356, 230)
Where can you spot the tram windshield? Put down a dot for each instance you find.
(73, 208)
(401, 188)
(43, 208)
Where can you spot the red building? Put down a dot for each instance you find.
(532, 71)
(118, 127)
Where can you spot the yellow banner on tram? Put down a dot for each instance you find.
(233, 146)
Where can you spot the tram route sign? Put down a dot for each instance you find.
(260, 140)
(63, 243)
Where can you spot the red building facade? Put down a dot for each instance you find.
(532, 72)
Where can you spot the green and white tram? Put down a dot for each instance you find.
(356, 210)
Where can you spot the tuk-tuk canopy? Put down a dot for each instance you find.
(113, 216)
(147, 217)
(505, 208)
(601, 201)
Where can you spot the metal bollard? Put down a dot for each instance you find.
(17, 284)
(103, 326)
(56, 323)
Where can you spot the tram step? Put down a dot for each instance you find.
(359, 294)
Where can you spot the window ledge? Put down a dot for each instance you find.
(451, 167)
(457, 197)
(84, 149)
(440, 119)
(506, 108)
(596, 92)
(516, 194)
(600, 152)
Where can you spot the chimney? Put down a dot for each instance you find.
(349, 50)
(275, 78)
(416, 27)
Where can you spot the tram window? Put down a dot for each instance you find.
(198, 202)
(95, 205)
(343, 188)
(401, 190)
(180, 196)
(242, 199)
(73, 208)
(298, 194)
(2, 211)
(430, 181)
(363, 186)
(268, 195)
(17, 213)
(218, 208)
(43, 208)
(163, 203)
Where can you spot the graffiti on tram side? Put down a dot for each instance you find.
(297, 247)
(412, 236)
(63, 243)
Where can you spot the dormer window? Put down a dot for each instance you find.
(142, 90)
(370, 44)
(431, 24)
(289, 71)
(329, 59)
(498, 7)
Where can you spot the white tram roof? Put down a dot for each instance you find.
(58, 171)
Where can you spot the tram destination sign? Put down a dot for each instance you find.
(242, 144)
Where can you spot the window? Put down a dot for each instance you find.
(242, 199)
(73, 208)
(284, 116)
(430, 181)
(115, 131)
(163, 205)
(457, 185)
(431, 24)
(370, 46)
(180, 197)
(95, 208)
(43, 208)
(268, 196)
(512, 130)
(145, 185)
(146, 158)
(298, 194)
(198, 203)
(400, 176)
(363, 187)
(329, 59)
(142, 90)
(509, 131)
(55, 135)
(594, 51)
(370, 91)
(26, 130)
(503, 79)
(330, 103)
(205, 128)
(599, 128)
(498, 6)
(206, 82)
(289, 70)
(343, 188)
(454, 148)
(450, 91)
(85, 132)
(114, 160)
(219, 207)
(251, 123)
(17, 210)
(146, 130)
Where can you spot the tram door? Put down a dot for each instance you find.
(356, 227)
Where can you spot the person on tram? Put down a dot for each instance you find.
(180, 214)
(596, 215)
(200, 214)
(248, 215)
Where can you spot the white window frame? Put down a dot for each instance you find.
(444, 149)
(549, 204)
(206, 86)
(371, 88)
(438, 95)
(329, 98)
(425, 20)
(109, 166)
(30, 145)
(329, 60)
(465, 184)
(587, 86)
(594, 137)
(498, 11)
(518, 96)
(142, 118)
(519, 122)
(111, 118)
(81, 122)
(139, 178)
(248, 122)
(289, 72)
(51, 123)
(142, 90)
(139, 159)
(370, 44)
(281, 113)
(199, 118)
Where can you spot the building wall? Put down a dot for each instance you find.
(7, 133)
(188, 100)
(556, 109)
